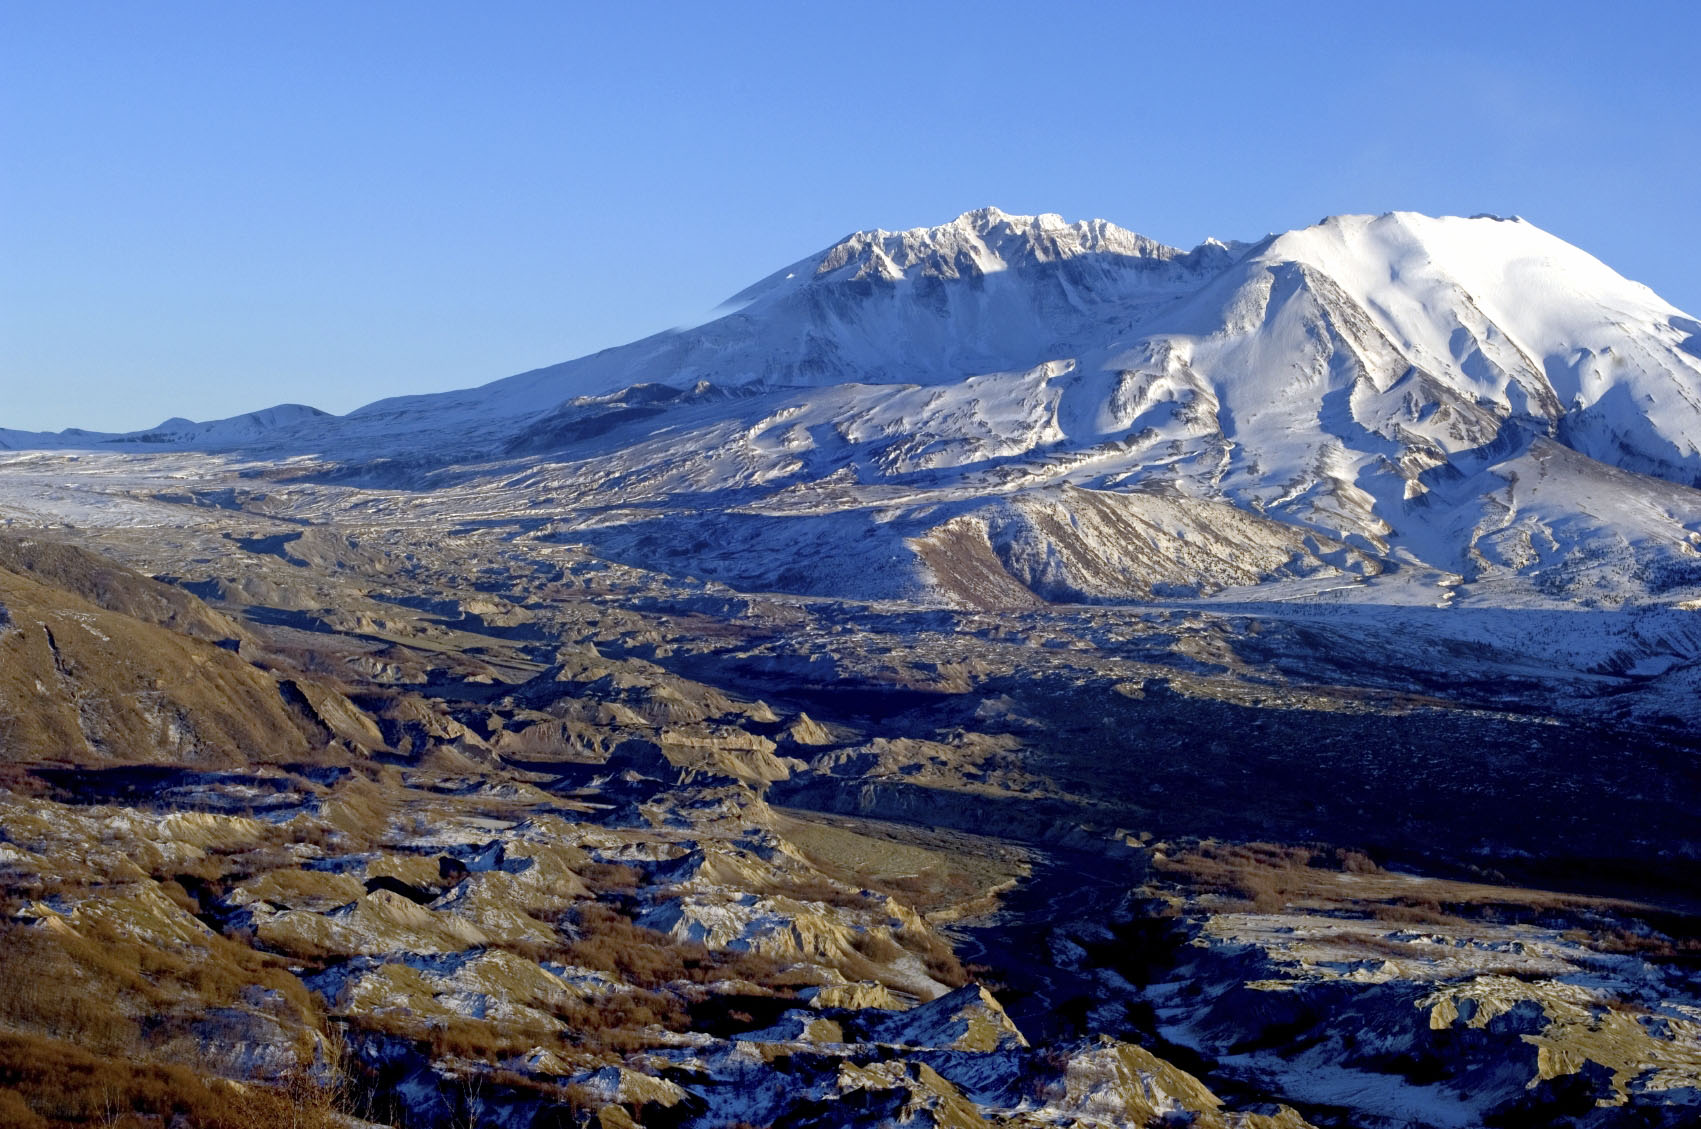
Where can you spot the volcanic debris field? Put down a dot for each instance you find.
(1010, 673)
(312, 824)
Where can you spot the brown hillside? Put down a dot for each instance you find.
(81, 684)
(110, 585)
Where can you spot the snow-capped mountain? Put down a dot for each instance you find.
(1073, 410)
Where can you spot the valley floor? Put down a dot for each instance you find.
(436, 823)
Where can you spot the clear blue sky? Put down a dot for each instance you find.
(207, 208)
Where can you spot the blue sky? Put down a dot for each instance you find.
(207, 208)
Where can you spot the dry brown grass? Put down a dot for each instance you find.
(117, 677)
(95, 1023)
(936, 956)
(596, 936)
(935, 953)
(21, 780)
(615, 1024)
(15, 1113)
(877, 947)
(606, 940)
(1683, 944)
(609, 878)
(1265, 877)
(361, 808)
(57, 1083)
(817, 889)
(924, 871)
(92, 985)
(46, 989)
(1269, 877)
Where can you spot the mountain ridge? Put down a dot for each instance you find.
(974, 246)
(1470, 401)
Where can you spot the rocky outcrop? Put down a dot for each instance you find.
(968, 1019)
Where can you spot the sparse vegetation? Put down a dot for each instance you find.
(607, 940)
(1264, 877)
(55, 1083)
(433, 877)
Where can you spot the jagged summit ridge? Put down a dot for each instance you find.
(988, 241)
(991, 291)
(980, 242)
(1473, 397)
(1448, 397)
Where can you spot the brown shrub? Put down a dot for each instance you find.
(60, 1082)
(615, 1024)
(936, 956)
(64, 1011)
(180, 896)
(926, 888)
(1265, 876)
(877, 947)
(92, 984)
(1649, 946)
(604, 878)
(617, 1021)
(61, 986)
(484, 1042)
(361, 808)
(608, 941)
(816, 889)
(15, 1113)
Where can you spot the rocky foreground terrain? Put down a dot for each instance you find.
(321, 821)
(1011, 673)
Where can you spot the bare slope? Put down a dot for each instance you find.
(82, 682)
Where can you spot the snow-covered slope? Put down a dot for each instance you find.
(1384, 398)
(985, 292)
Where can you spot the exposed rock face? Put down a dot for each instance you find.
(1118, 1084)
(805, 730)
(864, 994)
(1075, 545)
(968, 1019)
